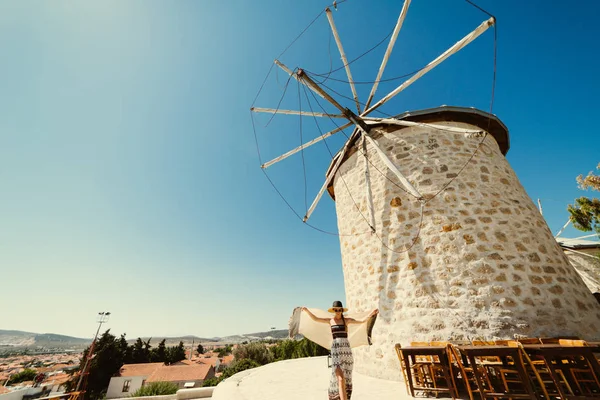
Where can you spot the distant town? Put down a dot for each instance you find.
(44, 365)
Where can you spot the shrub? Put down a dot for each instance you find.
(211, 382)
(25, 375)
(254, 351)
(156, 389)
(238, 366)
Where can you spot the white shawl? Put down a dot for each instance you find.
(358, 334)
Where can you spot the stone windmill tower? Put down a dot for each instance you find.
(436, 229)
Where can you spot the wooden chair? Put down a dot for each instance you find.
(423, 379)
(572, 342)
(582, 373)
(427, 372)
(555, 340)
(468, 374)
(537, 370)
(438, 373)
(493, 364)
(420, 370)
(398, 348)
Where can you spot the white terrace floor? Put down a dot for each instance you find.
(301, 379)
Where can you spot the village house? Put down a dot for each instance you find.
(132, 377)
(184, 376)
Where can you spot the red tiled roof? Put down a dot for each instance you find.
(175, 373)
(183, 362)
(58, 367)
(210, 361)
(139, 369)
(57, 379)
(228, 359)
(3, 390)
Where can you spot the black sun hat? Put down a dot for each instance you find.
(337, 304)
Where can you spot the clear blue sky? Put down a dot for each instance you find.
(128, 172)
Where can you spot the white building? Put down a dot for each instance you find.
(131, 377)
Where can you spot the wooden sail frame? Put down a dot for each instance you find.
(361, 122)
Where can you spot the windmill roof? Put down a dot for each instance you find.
(484, 120)
(577, 243)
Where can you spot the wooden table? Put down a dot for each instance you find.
(549, 352)
(409, 353)
(498, 351)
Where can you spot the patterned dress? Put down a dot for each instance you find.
(341, 356)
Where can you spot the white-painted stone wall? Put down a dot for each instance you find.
(484, 264)
(115, 386)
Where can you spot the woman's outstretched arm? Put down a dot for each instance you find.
(314, 317)
(354, 321)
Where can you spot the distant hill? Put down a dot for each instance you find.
(275, 334)
(54, 340)
(20, 339)
(12, 338)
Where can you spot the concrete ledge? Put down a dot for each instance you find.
(164, 397)
(195, 393)
(301, 379)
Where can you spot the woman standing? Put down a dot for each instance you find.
(340, 385)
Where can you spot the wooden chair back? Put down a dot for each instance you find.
(398, 348)
(529, 341)
(572, 342)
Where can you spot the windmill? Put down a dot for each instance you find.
(481, 261)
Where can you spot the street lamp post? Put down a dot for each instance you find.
(102, 318)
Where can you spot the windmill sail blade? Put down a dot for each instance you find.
(294, 75)
(330, 175)
(405, 182)
(388, 52)
(338, 41)
(305, 145)
(369, 194)
(455, 48)
(563, 228)
(294, 112)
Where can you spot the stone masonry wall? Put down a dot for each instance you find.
(484, 264)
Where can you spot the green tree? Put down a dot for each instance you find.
(254, 351)
(27, 374)
(159, 354)
(288, 349)
(125, 349)
(156, 389)
(307, 348)
(223, 351)
(141, 351)
(176, 353)
(200, 349)
(585, 213)
(107, 360)
(284, 350)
